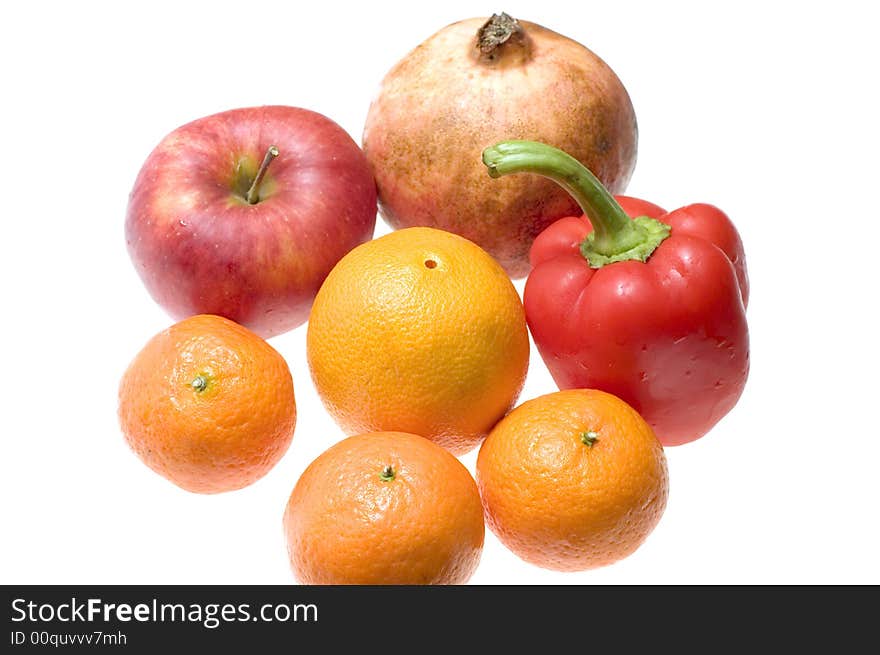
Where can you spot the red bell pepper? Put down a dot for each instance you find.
(635, 301)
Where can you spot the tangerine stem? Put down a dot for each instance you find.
(589, 438)
(387, 474)
(200, 383)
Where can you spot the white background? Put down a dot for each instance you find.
(765, 109)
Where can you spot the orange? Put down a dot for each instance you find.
(418, 331)
(572, 480)
(208, 404)
(384, 508)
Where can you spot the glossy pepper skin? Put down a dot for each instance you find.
(654, 313)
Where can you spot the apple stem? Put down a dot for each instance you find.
(253, 194)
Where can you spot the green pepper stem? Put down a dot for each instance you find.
(615, 236)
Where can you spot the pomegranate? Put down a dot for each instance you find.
(470, 85)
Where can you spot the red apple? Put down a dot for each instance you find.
(244, 213)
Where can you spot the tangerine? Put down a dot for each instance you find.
(572, 480)
(384, 508)
(208, 404)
